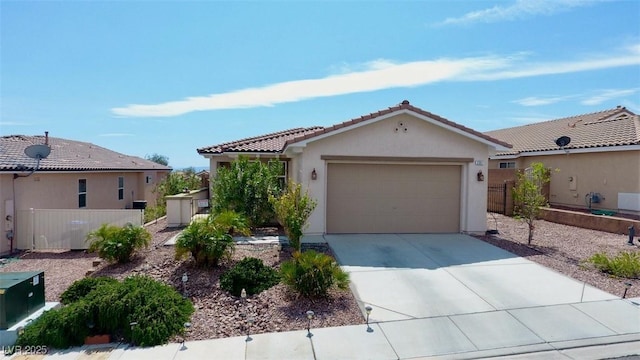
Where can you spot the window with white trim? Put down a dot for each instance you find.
(282, 177)
(82, 193)
(508, 165)
(120, 187)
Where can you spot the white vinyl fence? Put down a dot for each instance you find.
(45, 229)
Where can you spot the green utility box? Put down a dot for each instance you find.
(21, 294)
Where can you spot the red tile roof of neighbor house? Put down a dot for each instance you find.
(67, 155)
(277, 142)
(614, 127)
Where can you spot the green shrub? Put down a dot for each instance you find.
(293, 209)
(245, 187)
(312, 274)
(249, 274)
(59, 328)
(625, 264)
(159, 311)
(236, 223)
(154, 212)
(115, 243)
(79, 289)
(207, 240)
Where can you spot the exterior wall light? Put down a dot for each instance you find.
(480, 176)
(314, 174)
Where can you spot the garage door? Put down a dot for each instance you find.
(375, 198)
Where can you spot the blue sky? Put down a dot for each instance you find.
(143, 77)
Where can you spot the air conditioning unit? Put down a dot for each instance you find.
(21, 294)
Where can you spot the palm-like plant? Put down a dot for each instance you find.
(209, 240)
(312, 274)
(115, 243)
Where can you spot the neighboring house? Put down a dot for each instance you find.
(75, 175)
(399, 170)
(601, 164)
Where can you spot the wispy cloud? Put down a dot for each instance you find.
(383, 74)
(518, 10)
(115, 135)
(608, 94)
(596, 98)
(537, 101)
(379, 75)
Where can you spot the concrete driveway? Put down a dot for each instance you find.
(451, 293)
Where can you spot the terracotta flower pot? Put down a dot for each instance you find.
(97, 339)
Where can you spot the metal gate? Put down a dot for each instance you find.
(497, 198)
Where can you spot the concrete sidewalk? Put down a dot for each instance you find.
(481, 335)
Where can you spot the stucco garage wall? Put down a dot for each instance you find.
(607, 173)
(421, 139)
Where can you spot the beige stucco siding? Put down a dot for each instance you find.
(607, 173)
(60, 191)
(45, 190)
(420, 139)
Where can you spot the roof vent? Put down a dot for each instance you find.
(405, 102)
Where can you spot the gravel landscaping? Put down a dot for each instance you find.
(218, 314)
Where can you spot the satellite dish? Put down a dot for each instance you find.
(563, 141)
(37, 151)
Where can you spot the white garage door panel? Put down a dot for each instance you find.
(374, 198)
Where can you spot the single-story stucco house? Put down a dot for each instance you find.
(599, 167)
(398, 170)
(75, 175)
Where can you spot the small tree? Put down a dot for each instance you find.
(157, 158)
(527, 194)
(245, 187)
(293, 209)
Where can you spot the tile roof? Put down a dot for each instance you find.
(67, 155)
(269, 143)
(277, 142)
(614, 127)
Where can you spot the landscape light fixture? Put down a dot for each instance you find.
(132, 325)
(368, 311)
(185, 278)
(250, 322)
(187, 326)
(310, 315)
(243, 297)
(632, 233)
(627, 286)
